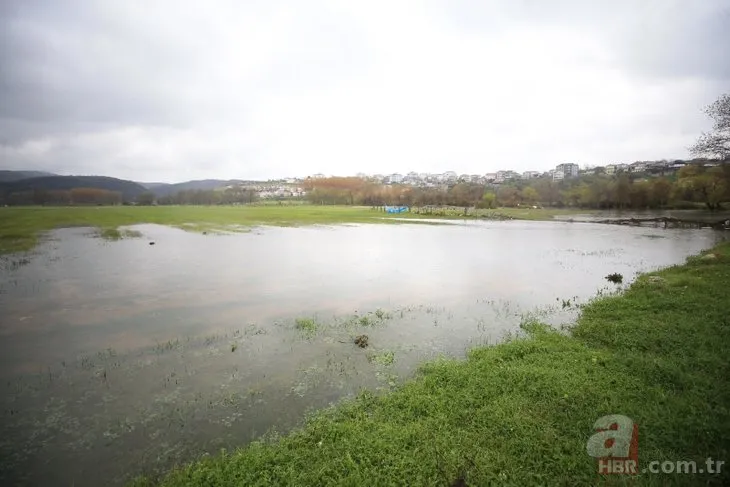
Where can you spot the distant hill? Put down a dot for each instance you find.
(204, 184)
(129, 189)
(153, 185)
(9, 176)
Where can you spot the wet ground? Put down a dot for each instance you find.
(120, 358)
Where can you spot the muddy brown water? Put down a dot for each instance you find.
(121, 358)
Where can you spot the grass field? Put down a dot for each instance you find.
(20, 228)
(520, 413)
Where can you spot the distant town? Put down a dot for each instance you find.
(561, 171)
(641, 184)
(293, 187)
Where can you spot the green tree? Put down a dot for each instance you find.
(660, 192)
(639, 194)
(146, 199)
(489, 200)
(707, 185)
(529, 195)
(586, 195)
(508, 196)
(572, 196)
(621, 191)
(548, 190)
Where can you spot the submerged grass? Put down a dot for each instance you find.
(307, 325)
(520, 413)
(386, 357)
(21, 227)
(375, 318)
(114, 234)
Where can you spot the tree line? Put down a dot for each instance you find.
(229, 196)
(62, 197)
(96, 196)
(691, 186)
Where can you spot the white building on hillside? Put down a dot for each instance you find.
(449, 177)
(395, 178)
(569, 170)
(503, 176)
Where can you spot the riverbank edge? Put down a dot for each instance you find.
(521, 412)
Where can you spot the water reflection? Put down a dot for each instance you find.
(120, 357)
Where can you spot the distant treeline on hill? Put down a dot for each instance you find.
(706, 184)
(27, 188)
(228, 196)
(69, 190)
(62, 197)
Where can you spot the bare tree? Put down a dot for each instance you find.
(717, 142)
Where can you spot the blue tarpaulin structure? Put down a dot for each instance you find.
(396, 209)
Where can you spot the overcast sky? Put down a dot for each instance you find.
(175, 90)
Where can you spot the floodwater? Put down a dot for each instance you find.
(121, 358)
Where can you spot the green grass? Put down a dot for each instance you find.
(520, 413)
(21, 228)
(307, 325)
(114, 234)
(375, 318)
(386, 357)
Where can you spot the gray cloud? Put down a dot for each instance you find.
(662, 38)
(176, 90)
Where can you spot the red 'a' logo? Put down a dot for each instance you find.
(615, 444)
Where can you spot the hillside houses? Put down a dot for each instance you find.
(503, 176)
(282, 192)
(287, 188)
(561, 172)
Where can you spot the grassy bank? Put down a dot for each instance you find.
(20, 228)
(520, 413)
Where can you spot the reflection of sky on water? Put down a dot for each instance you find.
(192, 282)
(119, 341)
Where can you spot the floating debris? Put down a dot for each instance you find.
(615, 278)
(361, 341)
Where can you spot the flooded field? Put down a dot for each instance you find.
(120, 358)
